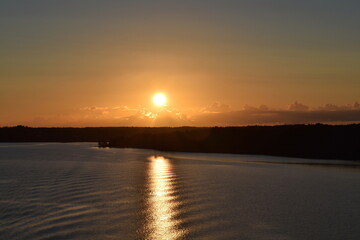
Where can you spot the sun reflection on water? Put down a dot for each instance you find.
(162, 203)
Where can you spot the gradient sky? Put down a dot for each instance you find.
(98, 63)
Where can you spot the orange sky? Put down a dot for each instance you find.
(57, 62)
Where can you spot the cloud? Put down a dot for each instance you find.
(248, 108)
(333, 107)
(296, 106)
(296, 114)
(217, 107)
(98, 108)
(216, 114)
(165, 117)
(94, 108)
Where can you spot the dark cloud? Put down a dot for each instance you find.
(333, 107)
(296, 106)
(269, 117)
(217, 107)
(217, 114)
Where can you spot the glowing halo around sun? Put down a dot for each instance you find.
(159, 100)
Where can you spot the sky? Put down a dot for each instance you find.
(229, 62)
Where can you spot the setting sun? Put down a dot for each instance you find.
(159, 100)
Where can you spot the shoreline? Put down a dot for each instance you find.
(318, 141)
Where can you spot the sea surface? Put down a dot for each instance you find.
(79, 191)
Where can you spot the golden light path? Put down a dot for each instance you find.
(162, 201)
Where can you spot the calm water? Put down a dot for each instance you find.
(77, 191)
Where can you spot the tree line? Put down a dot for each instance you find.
(306, 141)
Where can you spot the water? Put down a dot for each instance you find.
(78, 191)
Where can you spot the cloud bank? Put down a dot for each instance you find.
(216, 114)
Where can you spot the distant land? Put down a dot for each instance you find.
(317, 141)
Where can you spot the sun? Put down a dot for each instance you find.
(159, 99)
